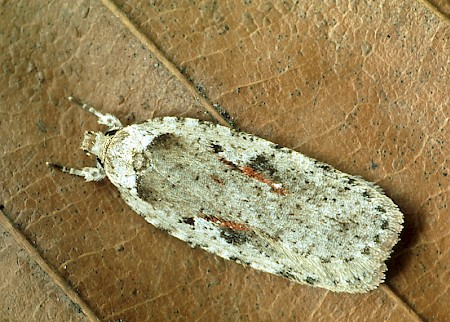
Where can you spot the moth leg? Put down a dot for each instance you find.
(109, 120)
(88, 173)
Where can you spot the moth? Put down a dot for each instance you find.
(248, 200)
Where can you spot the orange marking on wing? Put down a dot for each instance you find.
(229, 163)
(225, 223)
(276, 187)
(216, 179)
(252, 173)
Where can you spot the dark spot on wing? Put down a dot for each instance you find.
(233, 237)
(189, 221)
(233, 258)
(351, 181)
(145, 192)
(324, 167)
(164, 141)
(216, 148)
(380, 209)
(263, 164)
(260, 163)
(287, 274)
(311, 280)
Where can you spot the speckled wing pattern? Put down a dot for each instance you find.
(251, 201)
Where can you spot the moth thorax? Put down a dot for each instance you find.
(94, 142)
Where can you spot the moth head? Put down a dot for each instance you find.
(94, 142)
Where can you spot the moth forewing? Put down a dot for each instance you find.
(247, 199)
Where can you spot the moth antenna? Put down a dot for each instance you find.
(88, 173)
(111, 121)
